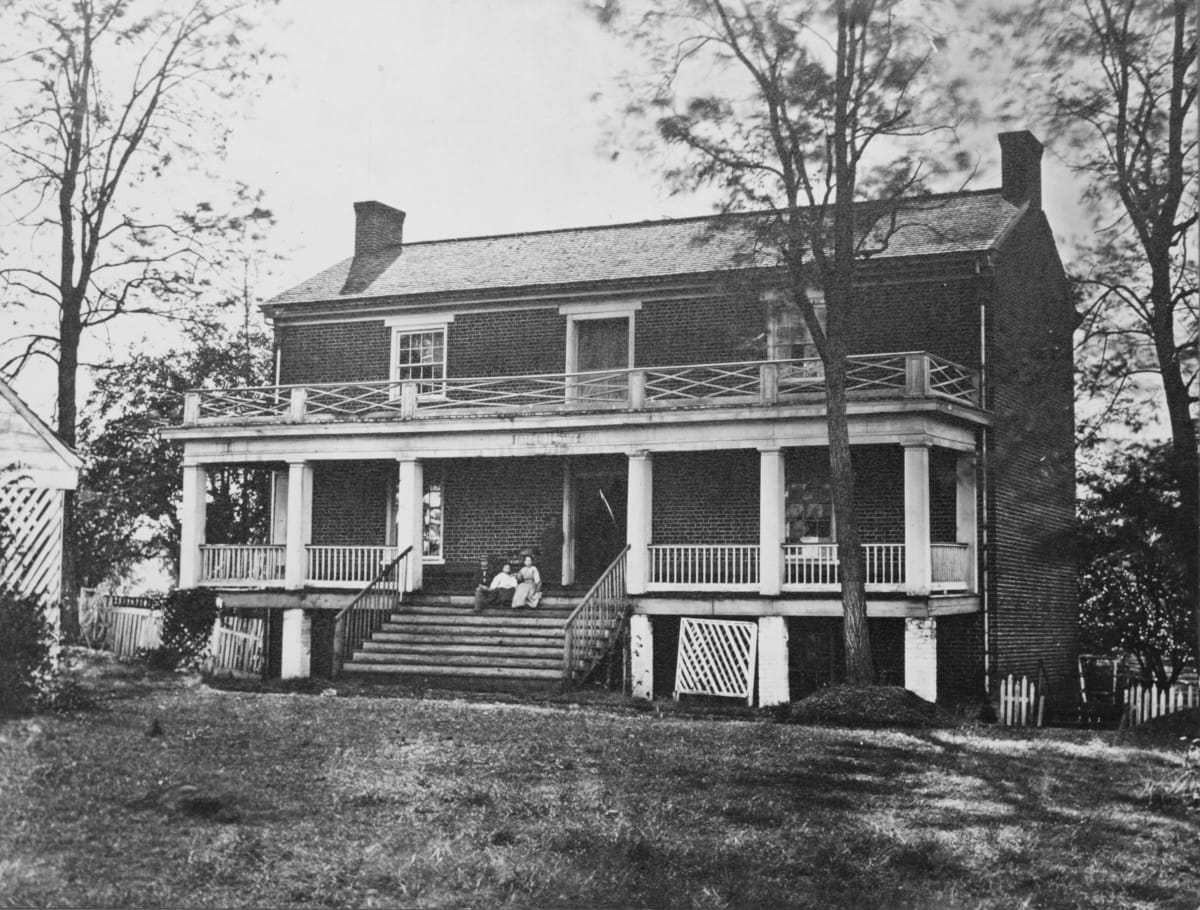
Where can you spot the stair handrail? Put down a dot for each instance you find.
(356, 621)
(595, 624)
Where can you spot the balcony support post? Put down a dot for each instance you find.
(768, 383)
(641, 657)
(916, 374)
(297, 404)
(637, 390)
(918, 569)
(920, 657)
(966, 517)
(192, 517)
(771, 521)
(639, 512)
(410, 518)
(191, 409)
(299, 524)
(773, 682)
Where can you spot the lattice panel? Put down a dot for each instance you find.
(31, 530)
(716, 657)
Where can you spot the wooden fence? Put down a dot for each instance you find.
(236, 647)
(1020, 703)
(133, 629)
(1144, 703)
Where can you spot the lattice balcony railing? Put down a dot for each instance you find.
(899, 375)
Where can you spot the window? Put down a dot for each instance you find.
(420, 356)
(600, 338)
(809, 511)
(788, 337)
(432, 520)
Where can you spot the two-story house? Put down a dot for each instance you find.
(638, 405)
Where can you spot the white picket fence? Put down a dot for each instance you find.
(1144, 703)
(1020, 703)
(133, 629)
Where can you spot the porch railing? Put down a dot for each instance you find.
(698, 567)
(594, 625)
(366, 614)
(236, 564)
(347, 565)
(815, 566)
(950, 565)
(904, 374)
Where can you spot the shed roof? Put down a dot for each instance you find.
(30, 450)
(922, 226)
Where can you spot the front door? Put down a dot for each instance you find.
(599, 510)
(602, 344)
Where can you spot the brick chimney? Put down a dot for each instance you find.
(1021, 168)
(377, 227)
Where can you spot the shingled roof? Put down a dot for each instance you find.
(924, 226)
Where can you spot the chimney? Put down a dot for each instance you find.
(377, 227)
(1021, 168)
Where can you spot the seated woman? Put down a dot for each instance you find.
(529, 586)
(500, 592)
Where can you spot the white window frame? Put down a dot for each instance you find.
(783, 322)
(608, 309)
(415, 325)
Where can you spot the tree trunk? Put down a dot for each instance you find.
(860, 669)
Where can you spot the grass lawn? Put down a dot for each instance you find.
(309, 800)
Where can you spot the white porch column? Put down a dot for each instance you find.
(920, 657)
(295, 645)
(638, 514)
(773, 687)
(641, 656)
(771, 521)
(568, 523)
(410, 517)
(966, 521)
(299, 524)
(192, 518)
(279, 494)
(917, 567)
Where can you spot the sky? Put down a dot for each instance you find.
(473, 116)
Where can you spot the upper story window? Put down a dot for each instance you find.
(419, 353)
(788, 337)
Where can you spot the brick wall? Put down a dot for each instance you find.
(334, 352)
(960, 659)
(720, 330)
(1031, 461)
(349, 502)
(878, 487)
(507, 343)
(943, 495)
(706, 497)
(496, 505)
(940, 317)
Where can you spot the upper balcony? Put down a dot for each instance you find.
(903, 375)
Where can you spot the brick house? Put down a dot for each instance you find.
(642, 391)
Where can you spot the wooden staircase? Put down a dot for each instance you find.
(441, 636)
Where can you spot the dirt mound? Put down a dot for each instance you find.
(868, 706)
(1180, 724)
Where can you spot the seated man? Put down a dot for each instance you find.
(500, 592)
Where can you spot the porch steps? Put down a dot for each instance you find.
(442, 638)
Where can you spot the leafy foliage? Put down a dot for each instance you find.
(131, 486)
(1133, 583)
(25, 651)
(188, 617)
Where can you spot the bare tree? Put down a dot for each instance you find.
(799, 111)
(106, 96)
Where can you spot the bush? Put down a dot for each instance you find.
(25, 651)
(188, 617)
